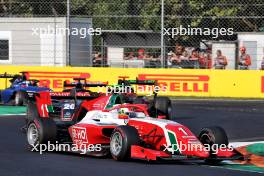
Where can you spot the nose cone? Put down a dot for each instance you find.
(186, 141)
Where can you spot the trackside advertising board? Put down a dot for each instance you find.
(177, 82)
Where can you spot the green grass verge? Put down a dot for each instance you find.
(12, 110)
(257, 149)
(245, 167)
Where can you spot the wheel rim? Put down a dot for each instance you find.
(116, 144)
(32, 134)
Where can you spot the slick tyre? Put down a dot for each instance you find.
(213, 136)
(122, 138)
(41, 131)
(163, 106)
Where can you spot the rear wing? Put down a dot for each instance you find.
(84, 84)
(5, 75)
(8, 76)
(45, 100)
(31, 96)
(13, 77)
(137, 82)
(23, 75)
(123, 82)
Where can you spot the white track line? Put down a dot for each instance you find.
(1, 115)
(240, 144)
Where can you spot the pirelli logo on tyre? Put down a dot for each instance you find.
(180, 82)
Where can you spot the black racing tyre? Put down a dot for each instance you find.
(122, 138)
(41, 131)
(213, 136)
(163, 106)
(32, 112)
(19, 98)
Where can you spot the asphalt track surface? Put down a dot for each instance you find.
(243, 121)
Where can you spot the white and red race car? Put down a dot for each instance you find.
(123, 130)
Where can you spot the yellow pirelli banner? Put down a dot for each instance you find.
(178, 82)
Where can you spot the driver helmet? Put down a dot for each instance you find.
(123, 111)
(126, 111)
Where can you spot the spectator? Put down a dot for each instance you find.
(220, 60)
(202, 60)
(208, 56)
(97, 60)
(175, 60)
(148, 57)
(179, 50)
(262, 64)
(184, 56)
(130, 56)
(194, 59)
(244, 60)
(141, 54)
(155, 62)
(169, 58)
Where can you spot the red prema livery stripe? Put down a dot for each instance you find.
(151, 131)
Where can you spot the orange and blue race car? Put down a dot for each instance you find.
(16, 93)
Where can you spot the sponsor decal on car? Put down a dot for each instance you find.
(67, 110)
(79, 135)
(66, 94)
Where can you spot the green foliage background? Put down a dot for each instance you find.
(241, 15)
